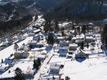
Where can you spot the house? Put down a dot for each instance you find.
(71, 49)
(63, 43)
(8, 61)
(37, 31)
(51, 72)
(60, 38)
(37, 46)
(38, 37)
(32, 44)
(63, 51)
(89, 38)
(20, 54)
(81, 56)
(80, 38)
(3, 67)
(51, 77)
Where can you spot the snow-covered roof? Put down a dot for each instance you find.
(36, 31)
(73, 45)
(41, 56)
(63, 24)
(5, 53)
(3, 66)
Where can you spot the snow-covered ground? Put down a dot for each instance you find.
(24, 65)
(5, 53)
(90, 69)
(94, 67)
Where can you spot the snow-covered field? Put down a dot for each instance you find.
(90, 69)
